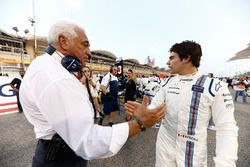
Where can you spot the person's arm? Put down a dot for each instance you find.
(13, 84)
(142, 112)
(14, 88)
(66, 107)
(104, 83)
(148, 117)
(159, 97)
(98, 85)
(104, 89)
(94, 96)
(96, 103)
(92, 83)
(226, 129)
(245, 82)
(134, 86)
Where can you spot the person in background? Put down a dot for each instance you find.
(210, 75)
(191, 99)
(130, 92)
(142, 84)
(58, 105)
(229, 82)
(109, 87)
(87, 79)
(96, 82)
(240, 90)
(152, 87)
(130, 89)
(15, 85)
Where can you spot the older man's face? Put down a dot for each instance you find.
(79, 46)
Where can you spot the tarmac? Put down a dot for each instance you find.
(17, 143)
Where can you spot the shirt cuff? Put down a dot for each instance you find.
(119, 136)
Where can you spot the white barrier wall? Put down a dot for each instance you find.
(8, 100)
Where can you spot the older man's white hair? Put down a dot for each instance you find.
(66, 28)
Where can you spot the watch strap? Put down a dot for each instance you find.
(140, 123)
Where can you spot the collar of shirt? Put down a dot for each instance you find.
(58, 56)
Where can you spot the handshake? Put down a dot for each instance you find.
(144, 116)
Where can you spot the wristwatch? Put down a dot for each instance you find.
(140, 123)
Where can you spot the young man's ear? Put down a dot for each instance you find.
(186, 60)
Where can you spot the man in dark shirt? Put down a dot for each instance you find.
(130, 93)
(15, 84)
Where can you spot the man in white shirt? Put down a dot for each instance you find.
(191, 99)
(152, 88)
(109, 86)
(58, 106)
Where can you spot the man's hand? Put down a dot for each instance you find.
(14, 88)
(148, 116)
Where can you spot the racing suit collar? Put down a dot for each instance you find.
(189, 75)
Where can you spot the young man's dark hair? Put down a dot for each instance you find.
(188, 48)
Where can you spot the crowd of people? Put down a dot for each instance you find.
(240, 85)
(66, 103)
(106, 88)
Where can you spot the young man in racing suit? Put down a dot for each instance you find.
(191, 99)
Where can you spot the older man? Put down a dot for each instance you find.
(58, 106)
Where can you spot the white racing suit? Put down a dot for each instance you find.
(182, 137)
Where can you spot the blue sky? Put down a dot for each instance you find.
(141, 28)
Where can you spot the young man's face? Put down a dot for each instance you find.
(130, 74)
(175, 64)
(114, 70)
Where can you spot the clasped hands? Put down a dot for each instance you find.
(149, 117)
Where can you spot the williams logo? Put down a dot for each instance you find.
(197, 88)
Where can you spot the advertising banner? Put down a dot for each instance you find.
(8, 99)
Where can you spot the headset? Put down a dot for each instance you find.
(70, 63)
